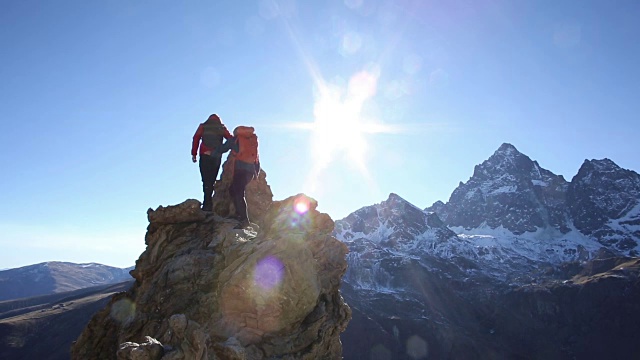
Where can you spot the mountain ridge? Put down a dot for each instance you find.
(55, 277)
(511, 191)
(517, 249)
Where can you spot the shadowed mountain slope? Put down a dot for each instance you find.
(44, 327)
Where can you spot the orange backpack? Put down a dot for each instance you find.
(247, 144)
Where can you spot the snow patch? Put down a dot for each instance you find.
(539, 183)
(504, 189)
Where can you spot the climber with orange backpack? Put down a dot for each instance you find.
(246, 167)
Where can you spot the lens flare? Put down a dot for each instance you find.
(417, 348)
(301, 206)
(268, 273)
(380, 352)
(123, 310)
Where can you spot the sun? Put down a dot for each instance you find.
(339, 127)
(340, 130)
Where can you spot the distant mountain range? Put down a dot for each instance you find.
(56, 277)
(44, 307)
(510, 254)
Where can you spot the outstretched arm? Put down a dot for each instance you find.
(228, 145)
(227, 135)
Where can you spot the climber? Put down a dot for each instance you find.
(246, 167)
(209, 135)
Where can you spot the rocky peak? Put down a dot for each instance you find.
(509, 190)
(435, 207)
(395, 199)
(507, 149)
(395, 207)
(603, 201)
(506, 160)
(205, 290)
(604, 165)
(599, 170)
(394, 223)
(394, 213)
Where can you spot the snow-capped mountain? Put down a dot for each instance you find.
(443, 282)
(55, 277)
(510, 192)
(385, 237)
(397, 232)
(395, 224)
(511, 219)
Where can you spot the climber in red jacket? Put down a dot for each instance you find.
(209, 136)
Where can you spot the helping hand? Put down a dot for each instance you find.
(193, 158)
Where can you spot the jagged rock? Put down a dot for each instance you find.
(185, 212)
(209, 291)
(151, 349)
(190, 339)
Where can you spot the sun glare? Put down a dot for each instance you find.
(339, 126)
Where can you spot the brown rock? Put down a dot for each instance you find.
(151, 349)
(209, 291)
(188, 211)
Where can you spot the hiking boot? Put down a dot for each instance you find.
(243, 224)
(207, 207)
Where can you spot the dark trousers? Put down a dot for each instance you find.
(209, 167)
(241, 178)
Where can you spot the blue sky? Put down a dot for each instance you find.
(352, 100)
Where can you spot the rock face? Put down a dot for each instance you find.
(204, 290)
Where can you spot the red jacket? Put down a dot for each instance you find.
(203, 148)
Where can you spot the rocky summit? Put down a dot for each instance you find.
(604, 202)
(205, 290)
(508, 190)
